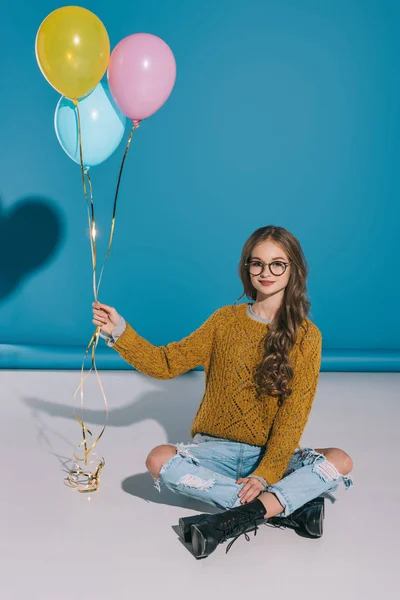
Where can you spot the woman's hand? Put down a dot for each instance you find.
(251, 490)
(105, 317)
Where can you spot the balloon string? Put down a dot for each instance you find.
(93, 233)
(81, 479)
(84, 480)
(91, 216)
(135, 126)
(75, 101)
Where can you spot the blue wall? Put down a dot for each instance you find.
(284, 112)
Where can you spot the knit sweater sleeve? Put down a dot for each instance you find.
(292, 416)
(166, 362)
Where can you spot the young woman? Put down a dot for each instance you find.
(261, 363)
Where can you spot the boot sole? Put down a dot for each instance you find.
(199, 543)
(185, 524)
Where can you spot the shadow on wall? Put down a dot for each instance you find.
(30, 234)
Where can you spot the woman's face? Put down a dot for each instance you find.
(269, 252)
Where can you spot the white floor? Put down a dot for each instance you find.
(119, 542)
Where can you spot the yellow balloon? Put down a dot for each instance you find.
(73, 50)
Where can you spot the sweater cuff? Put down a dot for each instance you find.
(267, 474)
(116, 332)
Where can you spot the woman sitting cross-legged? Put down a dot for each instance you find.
(262, 362)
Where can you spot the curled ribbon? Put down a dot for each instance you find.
(85, 478)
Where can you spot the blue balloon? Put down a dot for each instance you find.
(102, 126)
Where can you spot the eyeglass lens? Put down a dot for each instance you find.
(276, 268)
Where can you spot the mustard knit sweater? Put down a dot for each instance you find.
(229, 344)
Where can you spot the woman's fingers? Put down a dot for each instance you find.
(244, 492)
(106, 308)
(101, 320)
(101, 315)
(104, 316)
(251, 489)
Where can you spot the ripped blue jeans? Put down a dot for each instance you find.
(208, 467)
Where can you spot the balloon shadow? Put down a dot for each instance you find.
(30, 233)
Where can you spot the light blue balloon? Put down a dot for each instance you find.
(102, 126)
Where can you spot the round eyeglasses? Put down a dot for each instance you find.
(256, 267)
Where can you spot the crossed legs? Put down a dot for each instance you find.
(337, 457)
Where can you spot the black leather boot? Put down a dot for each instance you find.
(216, 529)
(307, 521)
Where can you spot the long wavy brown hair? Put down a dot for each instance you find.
(273, 374)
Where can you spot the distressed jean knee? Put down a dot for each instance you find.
(181, 451)
(320, 477)
(326, 470)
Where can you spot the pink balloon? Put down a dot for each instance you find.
(141, 74)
